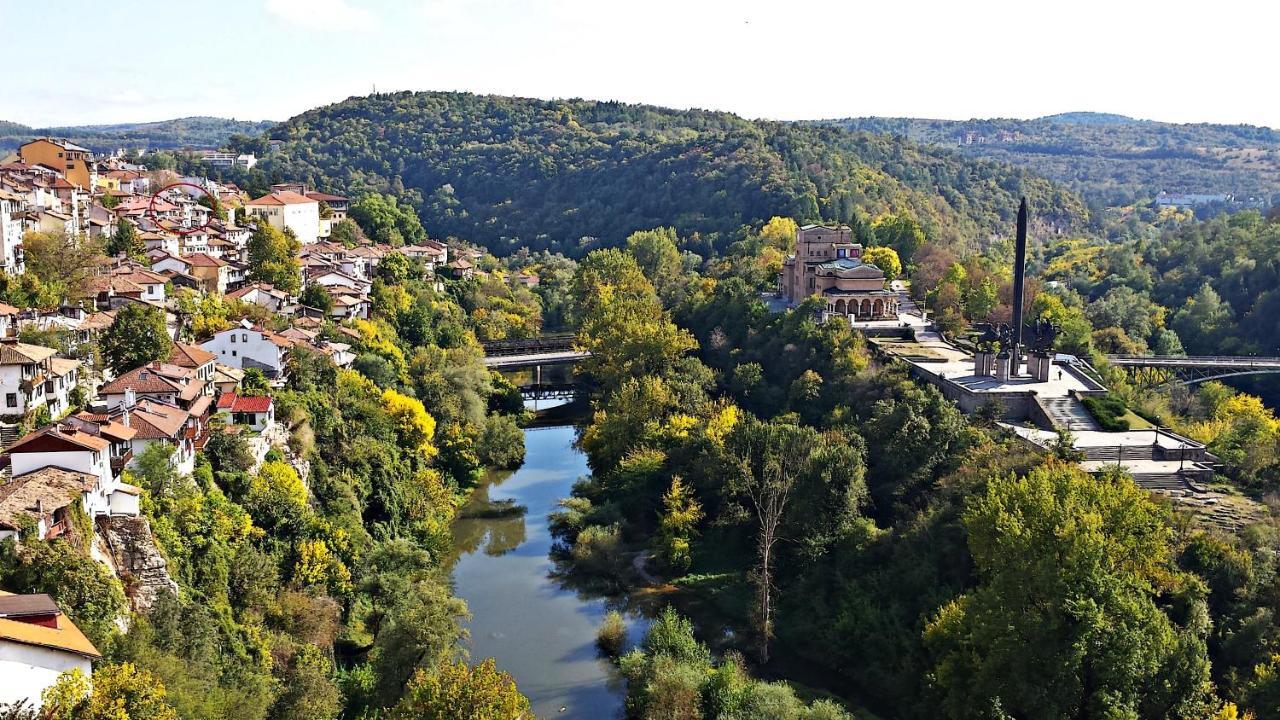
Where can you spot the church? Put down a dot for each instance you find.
(827, 262)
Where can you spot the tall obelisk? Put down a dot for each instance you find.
(1019, 270)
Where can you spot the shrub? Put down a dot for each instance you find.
(1109, 411)
(612, 635)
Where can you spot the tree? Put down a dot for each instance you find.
(1204, 321)
(780, 233)
(885, 258)
(119, 692)
(623, 322)
(61, 260)
(680, 515)
(317, 296)
(387, 221)
(347, 232)
(1064, 621)
(273, 258)
(255, 382)
(454, 691)
(137, 336)
(769, 461)
(981, 300)
(656, 253)
(126, 240)
(900, 232)
(416, 426)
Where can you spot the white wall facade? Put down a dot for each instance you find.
(26, 670)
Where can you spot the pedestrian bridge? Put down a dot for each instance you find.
(552, 349)
(1153, 370)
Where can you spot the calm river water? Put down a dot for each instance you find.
(538, 630)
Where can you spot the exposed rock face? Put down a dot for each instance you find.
(138, 561)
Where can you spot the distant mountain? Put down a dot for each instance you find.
(190, 132)
(1091, 118)
(1112, 160)
(516, 172)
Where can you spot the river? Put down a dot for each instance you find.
(538, 630)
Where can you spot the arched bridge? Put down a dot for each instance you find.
(1153, 370)
(554, 349)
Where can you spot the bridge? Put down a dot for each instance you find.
(1151, 370)
(553, 349)
(551, 391)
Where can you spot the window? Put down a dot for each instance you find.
(11, 400)
(233, 353)
(244, 337)
(71, 166)
(233, 337)
(840, 253)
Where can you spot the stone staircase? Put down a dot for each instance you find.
(1068, 412)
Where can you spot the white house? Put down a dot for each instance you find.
(11, 232)
(30, 376)
(250, 346)
(37, 644)
(256, 411)
(157, 422)
(288, 209)
(44, 456)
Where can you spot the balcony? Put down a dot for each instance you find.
(118, 462)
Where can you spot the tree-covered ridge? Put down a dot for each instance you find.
(514, 172)
(188, 132)
(1111, 160)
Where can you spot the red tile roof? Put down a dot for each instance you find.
(244, 403)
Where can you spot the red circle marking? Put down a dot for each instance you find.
(151, 208)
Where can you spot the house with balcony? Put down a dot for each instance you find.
(42, 457)
(166, 383)
(31, 377)
(157, 422)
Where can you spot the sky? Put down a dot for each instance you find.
(74, 62)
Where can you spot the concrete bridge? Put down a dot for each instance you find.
(1153, 370)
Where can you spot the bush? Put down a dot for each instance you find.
(501, 443)
(612, 635)
(598, 552)
(1109, 411)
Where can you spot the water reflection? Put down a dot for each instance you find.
(539, 630)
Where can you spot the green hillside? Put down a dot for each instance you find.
(190, 132)
(1112, 160)
(573, 174)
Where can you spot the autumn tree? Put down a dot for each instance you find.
(623, 323)
(456, 691)
(885, 258)
(118, 692)
(62, 261)
(680, 515)
(137, 336)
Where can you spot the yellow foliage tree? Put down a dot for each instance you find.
(414, 423)
(885, 258)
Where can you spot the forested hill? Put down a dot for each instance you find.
(189, 132)
(1112, 160)
(511, 172)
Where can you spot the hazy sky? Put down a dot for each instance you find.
(86, 61)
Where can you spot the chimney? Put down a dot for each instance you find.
(129, 400)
